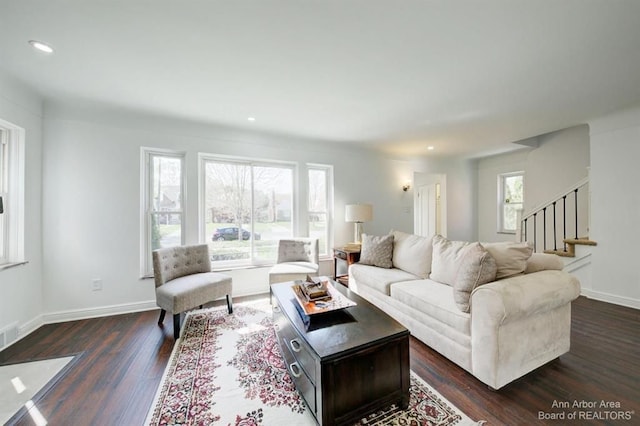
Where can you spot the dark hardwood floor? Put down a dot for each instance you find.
(122, 358)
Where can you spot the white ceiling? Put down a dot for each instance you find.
(465, 76)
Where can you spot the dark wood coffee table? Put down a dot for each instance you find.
(347, 363)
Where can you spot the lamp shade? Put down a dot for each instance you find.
(358, 213)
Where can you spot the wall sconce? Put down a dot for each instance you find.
(406, 187)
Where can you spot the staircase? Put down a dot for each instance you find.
(570, 244)
(553, 227)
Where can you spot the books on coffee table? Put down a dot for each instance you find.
(331, 301)
(314, 289)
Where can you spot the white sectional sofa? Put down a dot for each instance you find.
(516, 321)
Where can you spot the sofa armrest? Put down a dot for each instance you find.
(543, 261)
(520, 323)
(523, 295)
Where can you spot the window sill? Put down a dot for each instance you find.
(221, 269)
(12, 265)
(237, 268)
(507, 232)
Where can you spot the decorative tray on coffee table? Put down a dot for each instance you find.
(335, 300)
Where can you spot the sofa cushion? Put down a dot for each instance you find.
(412, 253)
(477, 267)
(378, 279)
(511, 257)
(433, 299)
(377, 250)
(447, 256)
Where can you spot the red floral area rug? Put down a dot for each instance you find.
(227, 370)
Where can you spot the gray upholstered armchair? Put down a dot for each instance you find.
(297, 258)
(184, 281)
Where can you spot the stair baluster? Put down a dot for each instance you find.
(535, 233)
(555, 231)
(575, 198)
(544, 229)
(564, 222)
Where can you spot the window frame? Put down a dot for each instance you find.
(502, 177)
(12, 184)
(328, 170)
(147, 205)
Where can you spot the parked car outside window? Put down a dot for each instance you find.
(231, 233)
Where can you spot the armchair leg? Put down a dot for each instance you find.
(162, 313)
(176, 326)
(229, 304)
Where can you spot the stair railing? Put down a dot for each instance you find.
(580, 215)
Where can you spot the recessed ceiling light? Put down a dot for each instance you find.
(41, 46)
(251, 118)
(430, 148)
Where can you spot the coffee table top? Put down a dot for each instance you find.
(333, 334)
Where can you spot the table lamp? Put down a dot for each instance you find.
(358, 213)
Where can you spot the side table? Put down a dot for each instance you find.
(343, 255)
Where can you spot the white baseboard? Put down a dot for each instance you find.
(29, 327)
(102, 311)
(611, 298)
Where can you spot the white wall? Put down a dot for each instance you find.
(92, 198)
(615, 206)
(560, 160)
(460, 197)
(21, 286)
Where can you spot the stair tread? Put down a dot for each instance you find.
(580, 241)
(560, 253)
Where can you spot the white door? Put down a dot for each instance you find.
(427, 210)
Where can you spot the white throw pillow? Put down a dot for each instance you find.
(447, 256)
(511, 257)
(412, 253)
(377, 251)
(477, 267)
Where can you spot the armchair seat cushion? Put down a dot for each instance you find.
(290, 271)
(297, 258)
(190, 291)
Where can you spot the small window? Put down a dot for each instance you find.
(510, 200)
(320, 205)
(163, 214)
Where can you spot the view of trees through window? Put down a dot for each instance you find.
(165, 210)
(512, 188)
(318, 208)
(247, 209)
